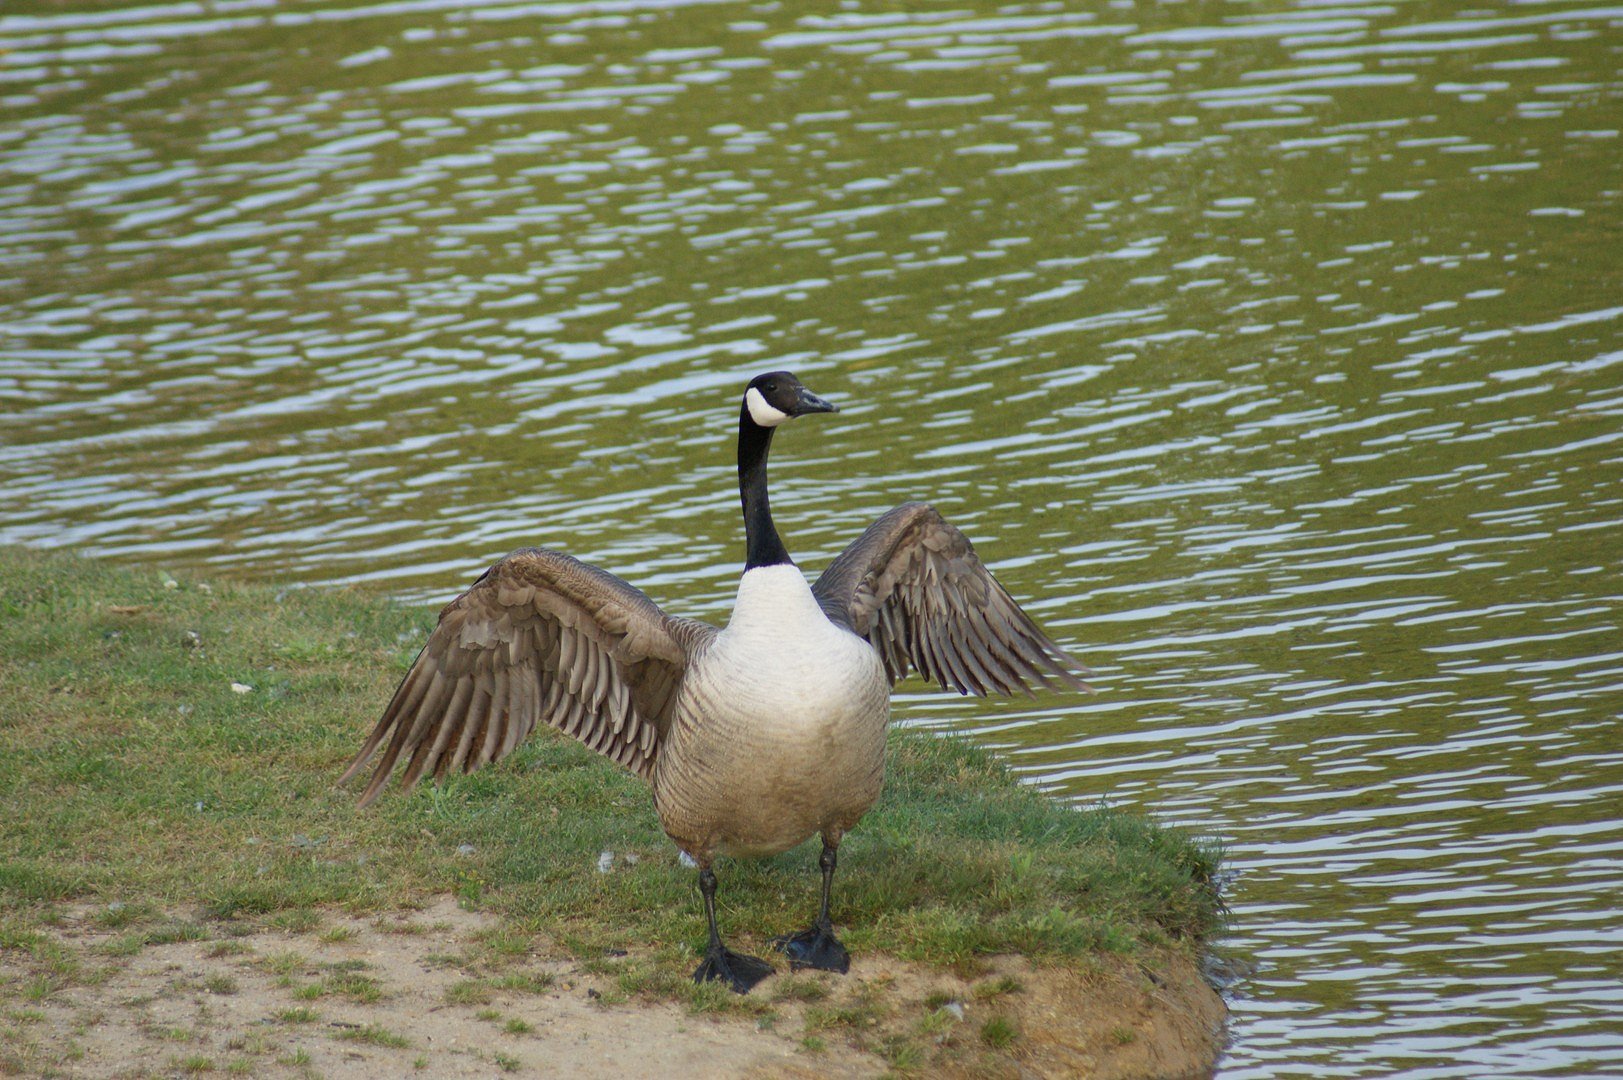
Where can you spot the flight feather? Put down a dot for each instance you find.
(914, 587)
(540, 638)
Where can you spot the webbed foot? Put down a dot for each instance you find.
(738, 971)
(814, 948)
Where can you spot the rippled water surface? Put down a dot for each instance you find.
(1274, 349)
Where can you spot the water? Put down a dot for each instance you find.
(1274, 351)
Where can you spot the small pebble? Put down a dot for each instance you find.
(465, 849)
(241, 688)
(955, 1008)
(605, 862)
(685, 859)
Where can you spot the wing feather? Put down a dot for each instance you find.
(914, 587)
(539, 638)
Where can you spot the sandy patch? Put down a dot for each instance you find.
(399, 996)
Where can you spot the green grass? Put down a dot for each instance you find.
(470, 992)
(999, 1033)
(374, 1035)
(152, 786)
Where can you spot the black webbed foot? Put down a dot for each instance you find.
(738, 971)
(814, 948)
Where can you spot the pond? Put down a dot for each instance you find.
(1272, 352)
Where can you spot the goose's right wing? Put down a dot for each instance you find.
(914, 587)
(540, 638)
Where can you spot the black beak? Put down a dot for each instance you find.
(808, 402)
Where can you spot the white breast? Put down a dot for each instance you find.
(780, 654)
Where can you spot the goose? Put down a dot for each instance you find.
(753, 737)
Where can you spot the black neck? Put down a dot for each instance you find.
(764, 547)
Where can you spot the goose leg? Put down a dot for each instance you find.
(817, 947)
(720, 963)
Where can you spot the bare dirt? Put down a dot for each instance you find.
(392, 996)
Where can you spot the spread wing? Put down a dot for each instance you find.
(539, 638)
(913, 586)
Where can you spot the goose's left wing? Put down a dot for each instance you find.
(914, 587)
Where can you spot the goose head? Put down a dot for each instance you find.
(777, 396)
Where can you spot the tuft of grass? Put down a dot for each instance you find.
(484, 989)
(299, 1014)
(508, 1062)
(299, 920)
(523, 982)
(374, 1035)
(251, 1042)
(120, 740)
(702, 999)
(505, 943)
(993, 988)
(362, 989)
(470, 992)
(935, 1024)
(220, 983)
(354, 986)
(795, 988)
(165, 934)
(118, 914)
(903, 1054)
(515, 1026)
(999, 1032)
(284, 963)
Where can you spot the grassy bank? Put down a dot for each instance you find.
(171, 747)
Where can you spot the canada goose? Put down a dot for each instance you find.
(753, 737)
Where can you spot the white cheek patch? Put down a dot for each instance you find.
(761, 412)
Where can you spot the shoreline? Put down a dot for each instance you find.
(434, 1001)
(187, 866)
